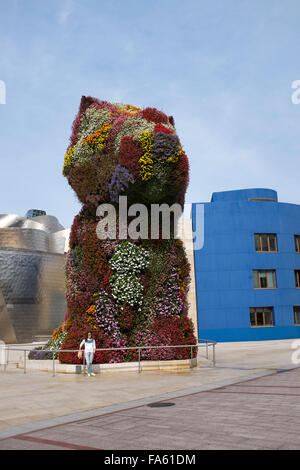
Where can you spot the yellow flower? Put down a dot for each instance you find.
(91, 310)
(146, 161)
(68, 160)
(175, 157)
(97, 140)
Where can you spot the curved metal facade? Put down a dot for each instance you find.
(33, 287)
(32, 276)
(31, 239)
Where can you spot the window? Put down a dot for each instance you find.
(261, 316)
(34, 213)
(264, 279)
(297, 243)
(297, 315)
(265, 242)
(265, 199)
(297, 278)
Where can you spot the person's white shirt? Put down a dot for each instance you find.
(89, 345)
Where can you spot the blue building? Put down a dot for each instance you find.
(248, 270)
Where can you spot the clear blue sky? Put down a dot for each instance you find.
(222, 68)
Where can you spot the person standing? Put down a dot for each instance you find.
(89, 351)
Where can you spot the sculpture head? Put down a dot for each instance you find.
(118, 149)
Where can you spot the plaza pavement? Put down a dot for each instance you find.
(250, 400)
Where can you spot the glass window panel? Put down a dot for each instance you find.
(252, 318)
(255, 280)
(297, 277)
(263, 279)
(268, 317)
(271, 279)
(257, 242)
(297, 315)
(260, 318)
(297, 244)
(272, 240)
(264, 243)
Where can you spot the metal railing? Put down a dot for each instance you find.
(201, 343)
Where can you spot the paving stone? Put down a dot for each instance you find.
(261, 413)
(16, 444)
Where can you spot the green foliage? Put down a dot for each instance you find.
(78, 258)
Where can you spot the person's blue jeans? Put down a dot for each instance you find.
(89, 356)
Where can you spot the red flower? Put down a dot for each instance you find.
(153, 115)
(130, 153)
(160, 128)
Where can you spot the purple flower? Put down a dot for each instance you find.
(120, 180)
(165, 145)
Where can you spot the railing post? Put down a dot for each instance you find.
(99, 366)
(24, 361)
(139, 360)
(191, 364)
(83, 364)
(6, 356)
(206, 349)
(214, 355)
(53, 365)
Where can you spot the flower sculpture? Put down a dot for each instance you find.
(128, 292)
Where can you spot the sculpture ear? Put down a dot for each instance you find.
(171, 120)
(86, 101)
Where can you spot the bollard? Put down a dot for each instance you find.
(24, 361)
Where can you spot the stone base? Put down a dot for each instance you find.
(47, 366)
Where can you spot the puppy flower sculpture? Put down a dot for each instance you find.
(128, 292)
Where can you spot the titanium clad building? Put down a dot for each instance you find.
(32, 275)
